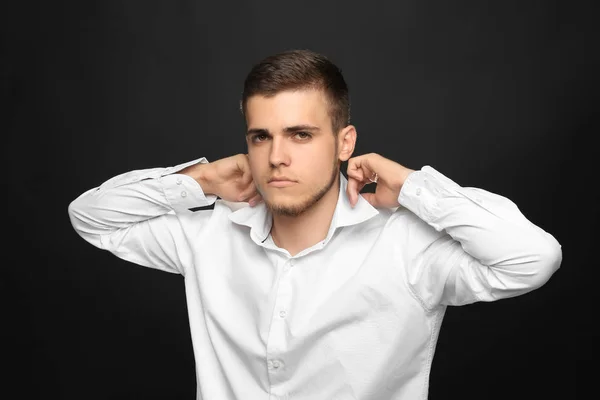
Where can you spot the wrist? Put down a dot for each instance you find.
(199, 173)
(400, 176)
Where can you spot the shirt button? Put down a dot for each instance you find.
(291, 263)
(178, 181)
(418, 191)
(183, 193)
(276, 364)
(282, 314)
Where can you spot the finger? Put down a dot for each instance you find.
(351, 189)
(355, 172)
(248, 193)
(366, 181)
(370, 197)
(361, 185)
(361, 165)
(243, 165)
(255, 200)
(246, 175)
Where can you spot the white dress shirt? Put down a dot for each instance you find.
(355, 316)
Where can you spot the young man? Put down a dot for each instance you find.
(312, 290)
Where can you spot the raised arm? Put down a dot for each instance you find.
(481, 247)
(458, 244)
(136, 215)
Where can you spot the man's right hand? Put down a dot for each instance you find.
(229, 178)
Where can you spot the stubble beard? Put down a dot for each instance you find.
(298, 209)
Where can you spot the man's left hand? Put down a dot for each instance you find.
(362, 170)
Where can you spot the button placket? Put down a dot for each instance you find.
(286, 288)
(276, 344)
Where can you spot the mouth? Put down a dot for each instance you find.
(281, 183)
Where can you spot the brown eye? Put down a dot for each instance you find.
(303, 135)
(255, 138)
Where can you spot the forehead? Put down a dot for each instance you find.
(287, 109)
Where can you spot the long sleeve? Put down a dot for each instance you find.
(482, 248)
(136, 215)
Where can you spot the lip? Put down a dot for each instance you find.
(281, 183)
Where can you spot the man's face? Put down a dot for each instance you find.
(290, 135)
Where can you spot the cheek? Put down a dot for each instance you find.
(324, 158)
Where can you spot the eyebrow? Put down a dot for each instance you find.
(288, 129)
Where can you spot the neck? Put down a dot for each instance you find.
(298, 233)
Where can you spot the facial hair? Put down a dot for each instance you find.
(296, 210)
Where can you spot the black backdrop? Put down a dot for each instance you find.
(493, 94)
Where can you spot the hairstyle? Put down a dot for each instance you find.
(297, 70)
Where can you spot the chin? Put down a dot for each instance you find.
(287, 208)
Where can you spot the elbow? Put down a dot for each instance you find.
(80, 217)
(74, 211)
(83, 223)
(549, 261)
(79, 210)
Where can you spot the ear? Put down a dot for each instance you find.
(346, 142)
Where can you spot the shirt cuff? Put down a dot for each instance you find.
(422, 191)
(182, 191)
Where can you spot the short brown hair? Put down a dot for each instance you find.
(296, 70)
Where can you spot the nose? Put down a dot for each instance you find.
(279, 154)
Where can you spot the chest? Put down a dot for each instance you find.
(355, 279)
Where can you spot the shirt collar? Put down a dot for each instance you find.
(260, 220)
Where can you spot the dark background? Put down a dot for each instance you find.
(493, 94)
